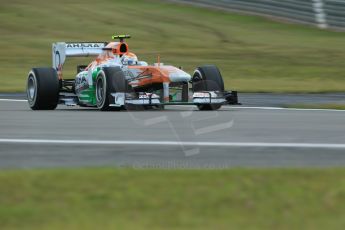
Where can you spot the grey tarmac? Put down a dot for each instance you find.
(237, 136)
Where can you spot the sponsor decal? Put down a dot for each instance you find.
(81, 83)
(129, 75)
(84, 45)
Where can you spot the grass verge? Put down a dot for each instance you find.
(97, 198)
(317, 106)
(253, 53)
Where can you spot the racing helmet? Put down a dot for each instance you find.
(129, 59)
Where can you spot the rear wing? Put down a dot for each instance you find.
(61, 50)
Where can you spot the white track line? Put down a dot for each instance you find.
(282, 108)
(228, 107)
(15, 100)
(176, 143)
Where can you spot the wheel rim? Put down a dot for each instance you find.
(197, 82)
(31, 89)
(100, 90)
(197, 77)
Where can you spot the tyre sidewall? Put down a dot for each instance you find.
(103, 103)
(32, 100)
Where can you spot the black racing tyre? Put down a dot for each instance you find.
(208, 78)
(109, 80)
(42, 89)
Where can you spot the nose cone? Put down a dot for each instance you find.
(179, 75)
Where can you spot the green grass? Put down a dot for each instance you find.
(317, 106)
(254, 54)
(172, 199)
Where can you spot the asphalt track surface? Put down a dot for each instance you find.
(178, 137)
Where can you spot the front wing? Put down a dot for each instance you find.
(198, 98)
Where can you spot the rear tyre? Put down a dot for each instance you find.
(109, 80)
(208, 78)
(42, 89)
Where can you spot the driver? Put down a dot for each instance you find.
(129, 59)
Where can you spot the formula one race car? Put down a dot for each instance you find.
(117, 80)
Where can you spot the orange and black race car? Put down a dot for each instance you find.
(117, 80)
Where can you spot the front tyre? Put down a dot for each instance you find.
(101, 92)
(208, 78)
(109, 80)
(42, 89)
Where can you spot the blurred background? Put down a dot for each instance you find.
(254, 53)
